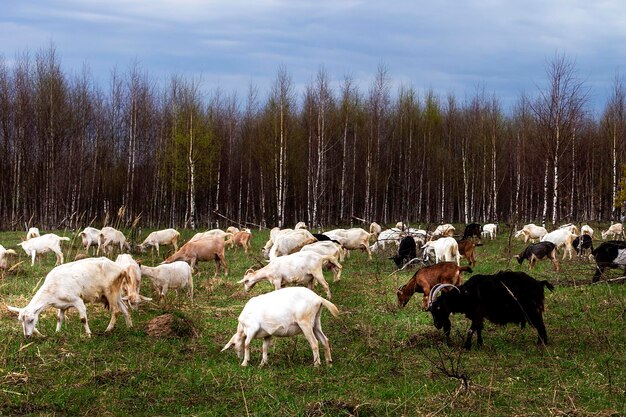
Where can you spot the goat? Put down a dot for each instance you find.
(325, 248)
(352, 239)
(445, 249)
(298, 268)
(531, 232)
(539, 251)
(491, 230)
(426, 278)
(3, 253)
(207, 249)
(160, 237)
(290, 242)
(561, 237)
(406, 251)
(110, 237)
(300, 225)
(586, 230)
(133, 284)
(73, 285)
(472, 230)
(282, 313)
(32, 232)
(90, 236)
(274, 234)
(241, 238)
(611, 254)
(375, 230)
(171, 276)
(506, 297)
(43, 244)
(614, 231)
(445, 230)
(583, 244)
(467, 249)
(392, 235)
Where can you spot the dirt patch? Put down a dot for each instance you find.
(172, 325)
(330, 408)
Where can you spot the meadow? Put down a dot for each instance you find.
(386, 361)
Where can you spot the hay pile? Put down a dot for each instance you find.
(172, 325)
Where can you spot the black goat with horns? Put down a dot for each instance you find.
(506, 297)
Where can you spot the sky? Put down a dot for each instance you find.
(458, 47)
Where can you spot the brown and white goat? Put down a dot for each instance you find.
(426, 278)
(241, 238)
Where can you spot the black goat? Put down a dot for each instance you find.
(506, 297)
(406, 251)
(539, 251)
(583, 244)
(473, 230)
(611, 254)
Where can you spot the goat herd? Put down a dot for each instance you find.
(297, 257)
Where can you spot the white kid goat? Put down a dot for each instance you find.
(43, 244)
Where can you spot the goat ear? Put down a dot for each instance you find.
(14, 309)
(241, 281)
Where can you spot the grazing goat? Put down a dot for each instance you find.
(571, 227)
(375, 230)
(586, 230)
(283, 313)
(90, 236)
(506, 297)
(445, 230)
(539, 251)
(583, 244)
(110, 237)
(133, 284)
(426, 278)
(32, 232)
(611, 254)
(210, 234)
(290, 242)
(352, 239)
(325, 248)
(207, 249)
(160, 237)
(3, 253)
(445, 249)
(43, 244)
(467, 249)
(304, 268)
(385, 237)
(274, 234)
(472, 230)
(241, 238)
(561, 237)
(615, 230)
(491, 230)
(232, 229)
(170, 276)
(406, 251)
(531, 232)
(73, 285)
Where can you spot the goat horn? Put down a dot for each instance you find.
(248, 271)
(435, 291)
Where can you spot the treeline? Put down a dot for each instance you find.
(74, 151)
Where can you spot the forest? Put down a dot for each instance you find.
(168, 153)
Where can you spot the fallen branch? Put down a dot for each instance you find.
(236, 222)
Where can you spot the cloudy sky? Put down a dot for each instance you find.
(451, 46)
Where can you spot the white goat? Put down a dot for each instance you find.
(304, 268)
(90, 237)
(327, 248)
(561, 237)
(491, 230)
(283, 313)
(445, 249)
(444, 230)
(274, 234)
(110, 237)
(32, 232)
(586, 230)
(43, 244)
(209, 234)
(614, 230)
(531, 232)
(170, 276)
(571, 227)
(232, 229)
(161, 237)
(3, 253)
(375, 229)
(73, 285)
(300, 225)
(290, 242)
(385, 237)
(133, 284)
(352, 239)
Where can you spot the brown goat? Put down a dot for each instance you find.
(426, 278)
(242, 239)
(207, 249)
(467, 249)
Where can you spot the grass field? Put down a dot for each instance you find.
(386, 361)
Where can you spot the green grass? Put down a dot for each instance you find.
(386, 361)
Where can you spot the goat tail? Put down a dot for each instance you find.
(330, 306)
(465, 269)
(548, 285)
